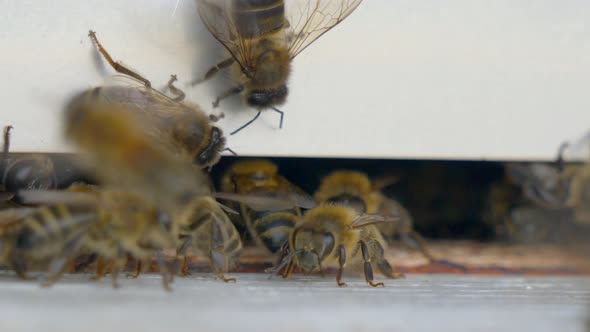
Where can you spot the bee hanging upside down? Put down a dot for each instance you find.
(262, 38)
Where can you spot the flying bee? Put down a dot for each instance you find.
(262, 38)
(269, 227)
(182, 127)
(355, 189)
(337, 235)
(31, 171)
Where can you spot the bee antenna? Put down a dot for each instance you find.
(282, 115)
(559, 162)
(230, 151)
(247, 124)
(6, 145)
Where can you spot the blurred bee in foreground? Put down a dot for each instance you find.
(109, 223)
(355, 189)
(180, 127)
(31, 171)
(263, 37)
(269, 227)
(125, 156)
(337, 235)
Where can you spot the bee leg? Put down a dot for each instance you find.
(101, 269)
(289, 270)
(341, 262)
(164, 271)
(224, 279)
(57, 268)
(20, 267)
(214, 70)
(182, 252)
(118, 265)
(179, 93)
(138, 269)
(117, 66)
(384, 265)
(367, 266)
(218, 265)
(246, 124)
(230, 92)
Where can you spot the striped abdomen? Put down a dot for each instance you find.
(255, 18)
(52, 231)
(272, 228)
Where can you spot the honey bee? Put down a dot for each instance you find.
(31, 171)
(270, 226)
(181, 127)
(262, 38)
(121, 151)
(110, 223)
(355, 189)
(124, 154)
(337, 235)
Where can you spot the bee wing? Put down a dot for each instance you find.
(365, 219)
(215, 14)
(48, 197)
(159, 114)
(310, 19)
(268, 202)
(227, 209)
(135, 95)
(12, 215)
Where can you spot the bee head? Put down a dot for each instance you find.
(312, 248)
(261, 99)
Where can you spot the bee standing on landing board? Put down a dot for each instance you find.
(263, 37)
(337, 235)
(181, 127)
(112, 224)
(354, 189)
(269, 228)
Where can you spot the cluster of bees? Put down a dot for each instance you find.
(543, 202)
(149, 152)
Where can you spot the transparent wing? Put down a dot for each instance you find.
(135, 95)
(310, 19)
(215, 14)
(268, 202)
(161, 115)
(364, 219)
(49, 197)
(12, 215)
